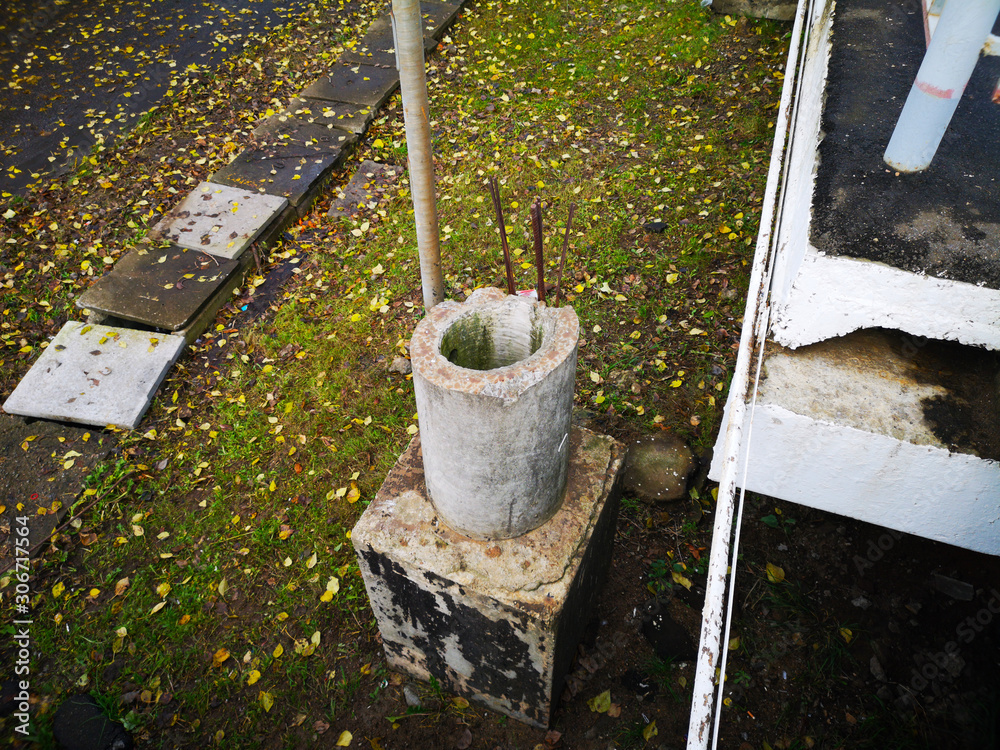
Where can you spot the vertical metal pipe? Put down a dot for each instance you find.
(953, 52)
(409, 36)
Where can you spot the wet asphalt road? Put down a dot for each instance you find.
(69, 67)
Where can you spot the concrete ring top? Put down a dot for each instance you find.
(493, 344)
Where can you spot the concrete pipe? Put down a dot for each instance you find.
(494, 388)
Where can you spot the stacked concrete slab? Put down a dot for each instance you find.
(879, 393)
(162, 295)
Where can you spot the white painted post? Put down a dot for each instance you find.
(413, 86)
(712, 648)
(961, 32)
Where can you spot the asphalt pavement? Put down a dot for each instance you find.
(70, 70)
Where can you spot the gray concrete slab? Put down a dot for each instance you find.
(219, 219)
(96, 375)
(43, 467)
(438, 17)
(205, 316)
(365, 189)
(162, 287)
(378, 47)
(359, 84)
(291, 171)
(352, 118)
(303, 124)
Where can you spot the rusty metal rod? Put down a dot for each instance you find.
(562, 256)
(536, 230)
(494, 187)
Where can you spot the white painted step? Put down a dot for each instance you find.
(927, 261)
(872, 426)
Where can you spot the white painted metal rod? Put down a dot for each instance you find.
(958, 39)
(754, 330)
(408, 31)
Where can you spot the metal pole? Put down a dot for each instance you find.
(954, 51)
(409, 37)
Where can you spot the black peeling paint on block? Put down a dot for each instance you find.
(589, 580)
(496, 649)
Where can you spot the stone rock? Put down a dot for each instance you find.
(641, 684)
(81, 724)
(658, 467)
(401, 365)
(776, 10)
(411, 696)
(875, 667)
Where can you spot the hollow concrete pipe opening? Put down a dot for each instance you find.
(494, 387)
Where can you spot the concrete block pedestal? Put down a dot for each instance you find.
(495, 620)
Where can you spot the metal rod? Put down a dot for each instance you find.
(495, 195)
(407, 27)
(536, 230)
(562, 256)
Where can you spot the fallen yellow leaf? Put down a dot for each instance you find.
(775, 574)
(600, 703)
(650, 731)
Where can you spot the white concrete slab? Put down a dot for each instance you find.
(218, 219)
(854, 427)
(97, 375)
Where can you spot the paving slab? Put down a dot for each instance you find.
(43, 465)
(206, 314)
(366, 188)
(94, 374)
(352, 118)
(291, 171)
(378, 46)
(219, 219)
(364, 85)
(438, 17)
(162, 287)
(304, 124)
